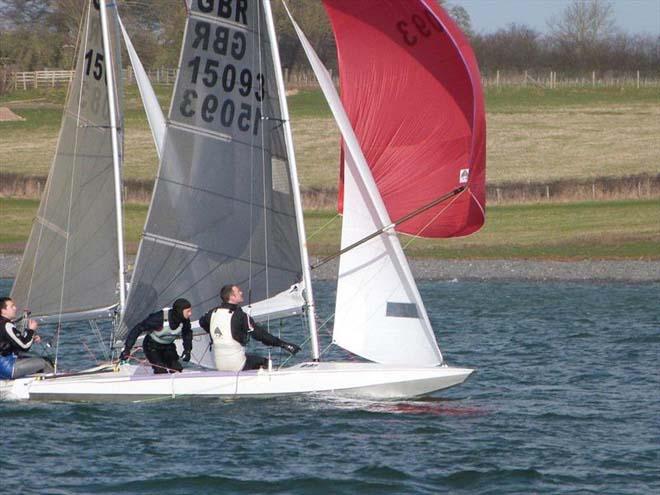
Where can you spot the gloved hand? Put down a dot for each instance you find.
(125, 354)
(290, 348)
(185, 357)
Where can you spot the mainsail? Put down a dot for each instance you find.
(223, 208)
(70, 264)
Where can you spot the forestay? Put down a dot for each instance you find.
(70, 264)
(222, 210)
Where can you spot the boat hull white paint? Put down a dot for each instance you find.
(134, 383)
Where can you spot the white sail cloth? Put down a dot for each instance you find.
(150, 102)
(379, 313)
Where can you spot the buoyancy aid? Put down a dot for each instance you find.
(166, 335)
(229, 353)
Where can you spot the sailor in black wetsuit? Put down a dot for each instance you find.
(162, 329)
(230, 329)
(13, 342)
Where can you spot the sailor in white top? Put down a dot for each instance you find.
(230, 329)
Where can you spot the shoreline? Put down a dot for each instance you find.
(484, 270)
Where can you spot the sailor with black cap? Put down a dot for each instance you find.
(162, 329)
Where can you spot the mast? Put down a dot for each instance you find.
(110, 78)
(307, 278)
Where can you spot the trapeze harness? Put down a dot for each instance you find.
(166, 335)
(229, 354)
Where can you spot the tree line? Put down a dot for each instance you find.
(38, 34)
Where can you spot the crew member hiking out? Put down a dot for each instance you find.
(162, 329)
(13, 342)
(230, 329)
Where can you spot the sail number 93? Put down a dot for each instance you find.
(245, 116)
(418, 25)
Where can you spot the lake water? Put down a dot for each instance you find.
(566, 400)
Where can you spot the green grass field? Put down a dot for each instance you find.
(570, 231)
(534, 135)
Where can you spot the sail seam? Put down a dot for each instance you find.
(230, 198)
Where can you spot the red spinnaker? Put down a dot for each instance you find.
(412, 90)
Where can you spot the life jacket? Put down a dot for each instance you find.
(229, 353)
(166, 335)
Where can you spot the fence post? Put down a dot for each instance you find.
(547, 192)
(497, 80)
(593, 78)
(499, 195)
(637, 79)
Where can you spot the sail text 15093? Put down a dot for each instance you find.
(219, 89)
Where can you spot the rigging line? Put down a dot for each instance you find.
(73, 174)
(291, 355)
(89, 351)
(326, 349)
(47, 188)
(418, 233)
(326, 322)
(393, 224)
(97, 332)
(224, 196)
(250, 244)
(263, 140)
(323, 227)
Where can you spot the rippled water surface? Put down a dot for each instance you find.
(566, 400)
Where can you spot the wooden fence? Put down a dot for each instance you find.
(549, 79)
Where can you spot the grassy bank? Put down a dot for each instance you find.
(534, 134)
(574, 231)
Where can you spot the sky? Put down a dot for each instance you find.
(632, 16)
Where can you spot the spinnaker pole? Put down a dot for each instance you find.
(110, 79)
(307, 277)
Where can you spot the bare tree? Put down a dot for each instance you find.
(581, 29)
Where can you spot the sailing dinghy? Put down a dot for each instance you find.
(226, 205)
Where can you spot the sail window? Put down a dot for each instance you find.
(281, 181)
(401, 310)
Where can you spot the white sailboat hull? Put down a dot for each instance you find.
(361, 380)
